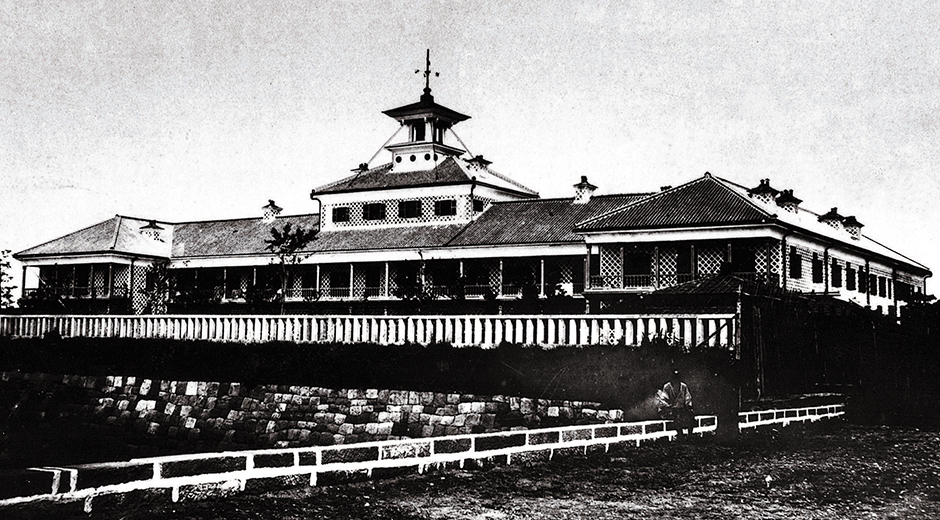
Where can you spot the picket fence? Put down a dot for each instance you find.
(463, 330)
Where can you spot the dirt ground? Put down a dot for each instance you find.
(835, 471)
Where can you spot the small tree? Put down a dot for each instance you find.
(287, 244)
(6, 289)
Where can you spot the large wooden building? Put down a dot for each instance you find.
(437, 222)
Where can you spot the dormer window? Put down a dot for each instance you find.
(443, 208)
(374, 211)
(341, 214)
(409, 209)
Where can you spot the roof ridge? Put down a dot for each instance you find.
(724, 184)
(240, 218)
(351, 177)
(629, 204)
(117, 231)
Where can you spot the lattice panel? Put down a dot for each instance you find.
(565, 270)
(120, 279)
(760, 258)
(463, 204)
(668, 265)
(100, 280)
(611, 266)
(776, 262)
(138, 285)
(710, 259)
(494, 277)
(359, 283)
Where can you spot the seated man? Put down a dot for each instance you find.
(675, 404)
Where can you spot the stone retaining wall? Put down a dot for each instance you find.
(206, 416)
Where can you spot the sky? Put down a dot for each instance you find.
(191, 110)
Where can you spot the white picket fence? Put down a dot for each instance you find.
(464, 330)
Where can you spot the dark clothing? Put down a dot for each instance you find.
(675, 404)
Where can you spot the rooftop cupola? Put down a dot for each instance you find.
(583, 191)
(426, 123)
(763, 192)
(853, 226)
(788, 201)
(152, 230)
(832, 218)
(270, 212)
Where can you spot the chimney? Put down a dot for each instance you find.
(833, 218)
(583, 191)
(478, 163)
(853, 226)
(763, 192)
(152, 230)
(271, 211)
(788, 201)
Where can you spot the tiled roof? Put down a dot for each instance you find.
(247, 237)
(115, 235)
(405, 237)
(231, 237)
(537, 221)
(449, 171)
(702, 202)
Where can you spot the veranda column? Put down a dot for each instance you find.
(542, 277)
(317, 282)
(110, 283)
(91, 281)
(351, 279)
(386, 281)
(23, 284)
(656, 267)
(499, 290)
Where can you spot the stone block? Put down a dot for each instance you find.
(273, 460)
(336, 477)
(265, 484)
(202, 466)
(526, 406)
(631, 429)
(350, 454)
(196, 492)
(496, 442)
(464, 408)
(452, 445)
(531, 457)
(119, 503)
(544, 437)
(109, 474)
(406, 451)
(580, 434)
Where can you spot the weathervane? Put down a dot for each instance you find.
(427, 74)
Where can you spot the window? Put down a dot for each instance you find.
(341, 214)
(817, 269)
(409, 209)
(873, 285)
(836, 272)
(445, 207)
(796, 264)
(684, 260)
(862, 282)
(419, 128)
(882, 287)
(890, 286)
(849, 277)
(374, 211)
(478, 205)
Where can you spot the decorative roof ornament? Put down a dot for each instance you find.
(832, 218)
(427, 78)
(853, 226)
(271, 211)
(583, 191)
(152, 230)
(763, 192)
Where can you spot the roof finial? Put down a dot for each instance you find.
(427, 74)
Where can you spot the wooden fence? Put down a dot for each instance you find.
(464, 330)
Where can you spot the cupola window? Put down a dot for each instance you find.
(446, 207)
(409, 209)
(374, 211)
